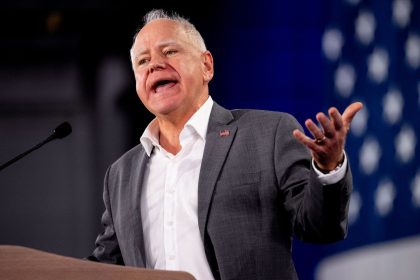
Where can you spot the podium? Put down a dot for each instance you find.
(20, 263)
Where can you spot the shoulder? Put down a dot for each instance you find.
(260, 114)
(129, 159)
(253, 119)
(131, 154)
(264, 117)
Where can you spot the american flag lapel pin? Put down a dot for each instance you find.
(224, 133)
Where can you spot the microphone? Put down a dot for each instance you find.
(59, 132)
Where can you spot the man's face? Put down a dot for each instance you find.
(171, 73)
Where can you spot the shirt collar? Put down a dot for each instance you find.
(199, 122)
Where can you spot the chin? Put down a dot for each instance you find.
(165, 110)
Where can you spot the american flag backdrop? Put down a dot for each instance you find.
(372, 52)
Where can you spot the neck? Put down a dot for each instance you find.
(169, 136)
(170, 128)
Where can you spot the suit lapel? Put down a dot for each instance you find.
(137, 233)
(220, 134)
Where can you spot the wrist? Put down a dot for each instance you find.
(326, 169)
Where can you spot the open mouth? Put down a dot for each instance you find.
(160, 85)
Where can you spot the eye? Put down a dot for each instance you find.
(142, 61)
(170, 52)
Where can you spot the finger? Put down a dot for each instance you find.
(350, 112)
(336, 118)
(305, 140)
(326, 125)
(314, 129)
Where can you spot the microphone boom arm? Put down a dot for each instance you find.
(61, 131)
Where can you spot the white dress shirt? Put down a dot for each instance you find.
(170, 195)
(169, 199)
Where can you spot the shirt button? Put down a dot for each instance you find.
(171, 191)
(170, 223)
(171, 257)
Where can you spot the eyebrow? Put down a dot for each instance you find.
(160, 45)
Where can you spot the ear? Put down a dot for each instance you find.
(208, 67)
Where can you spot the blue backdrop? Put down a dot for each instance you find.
(304, 56)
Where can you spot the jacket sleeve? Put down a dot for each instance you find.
(317, 213)
(107, 249)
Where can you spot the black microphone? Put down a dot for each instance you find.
(59, 132)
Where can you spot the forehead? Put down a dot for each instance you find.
(158, 32)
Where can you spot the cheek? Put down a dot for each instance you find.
(191, 73)
(140, 85)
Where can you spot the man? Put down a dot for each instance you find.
(214, 192)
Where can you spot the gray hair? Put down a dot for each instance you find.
(189, 28)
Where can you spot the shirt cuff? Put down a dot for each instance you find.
(333, 176)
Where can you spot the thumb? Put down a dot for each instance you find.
(350, 112)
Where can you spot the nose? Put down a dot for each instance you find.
(156, 64)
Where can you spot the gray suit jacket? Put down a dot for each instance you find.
(256, 190)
